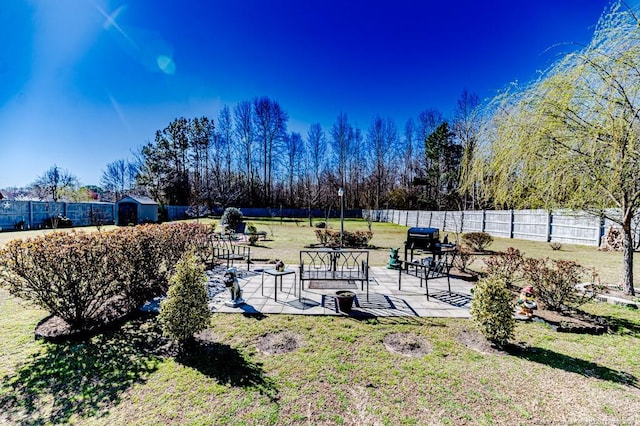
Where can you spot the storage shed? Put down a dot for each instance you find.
(136, 210)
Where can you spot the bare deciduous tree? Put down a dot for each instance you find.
(119, 177)
(53, 182)
(466, 126)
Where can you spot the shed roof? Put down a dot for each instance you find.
(138, 199)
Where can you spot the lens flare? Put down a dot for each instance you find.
(166, 64)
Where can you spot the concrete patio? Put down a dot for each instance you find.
(385, 300)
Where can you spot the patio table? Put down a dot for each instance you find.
(279, 274)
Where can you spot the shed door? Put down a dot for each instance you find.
(127, 213)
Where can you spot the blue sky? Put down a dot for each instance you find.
(85, 82)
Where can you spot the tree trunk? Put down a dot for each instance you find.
(627, 250)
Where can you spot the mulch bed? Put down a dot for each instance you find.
(571, 322)
(55, 329)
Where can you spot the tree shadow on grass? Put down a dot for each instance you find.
(84, 378)
(621, 326)
(574, 365)
(228, 366)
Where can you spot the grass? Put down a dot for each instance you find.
(286, 238)
(340, 374)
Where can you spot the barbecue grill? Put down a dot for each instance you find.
(425, 239)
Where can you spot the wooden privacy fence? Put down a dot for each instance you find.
(561, 226)
(33, 214)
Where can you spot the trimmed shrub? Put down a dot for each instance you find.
(555, 282)
(68, 274)
(357, 239)
(321, 235)
(492, 310)
(149, 254)
(463, 259)
(477, 241)
(252, 231)
(505, 265)
(77, 276)
(185, 312)
(555, 246)
(231, 217)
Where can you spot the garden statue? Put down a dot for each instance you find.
(230, 280)
(394, 260)
(526, 302)
(279, 265)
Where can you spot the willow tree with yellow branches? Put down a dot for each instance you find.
(571, 139)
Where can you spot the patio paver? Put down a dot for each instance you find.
(385, 300)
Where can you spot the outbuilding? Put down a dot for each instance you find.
(136, 210)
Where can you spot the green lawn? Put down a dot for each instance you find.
(340, 374)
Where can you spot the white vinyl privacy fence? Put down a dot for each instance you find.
(538, 225)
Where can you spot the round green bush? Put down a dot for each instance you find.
(231, 217)
(492, 310)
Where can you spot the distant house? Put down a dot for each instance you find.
(136, 210)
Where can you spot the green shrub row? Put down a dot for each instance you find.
(77, 276)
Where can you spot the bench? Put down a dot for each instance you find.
(235, 252)
(217, 247)
(334, 265)
(428, 268)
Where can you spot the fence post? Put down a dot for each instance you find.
(549, 226)
(513, 218)
(31, 225)
(484, 220)
(601, 231)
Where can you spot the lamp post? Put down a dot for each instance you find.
(341, 195)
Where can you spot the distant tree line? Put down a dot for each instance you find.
(248, 157)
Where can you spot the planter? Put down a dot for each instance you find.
(345, 300)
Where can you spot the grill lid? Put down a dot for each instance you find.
(431, 233)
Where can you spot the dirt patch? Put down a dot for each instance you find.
(278, 343)
(407, 344)
(474, 340)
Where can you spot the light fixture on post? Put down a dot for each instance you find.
(341, 195)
